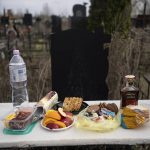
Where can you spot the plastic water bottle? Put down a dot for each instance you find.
(18, 80)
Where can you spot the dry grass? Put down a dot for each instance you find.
(38, 74)
(39, 78)
(5, 89)
(124, 58)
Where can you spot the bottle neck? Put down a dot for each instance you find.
(129, 83)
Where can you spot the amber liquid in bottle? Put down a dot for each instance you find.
(129, 94)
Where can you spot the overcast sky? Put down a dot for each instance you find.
(138, 7)
(57, 7)
(60, 7)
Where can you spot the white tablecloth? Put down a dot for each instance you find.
(74, 136)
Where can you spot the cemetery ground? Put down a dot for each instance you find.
(38, 73)
(38, 62)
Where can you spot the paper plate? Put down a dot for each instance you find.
(59, 129)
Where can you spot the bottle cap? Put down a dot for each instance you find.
(16, 52)
(129, 76)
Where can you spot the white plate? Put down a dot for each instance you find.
(59, 129)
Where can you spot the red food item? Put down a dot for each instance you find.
(67, 121)
(69, 114)
(22, 115)
(52, 126)
(21, 121)
(62, 113)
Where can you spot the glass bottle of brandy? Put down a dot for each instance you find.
(129, 94)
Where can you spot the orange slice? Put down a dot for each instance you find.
(48, 120)
(53, 114)
(61, 124)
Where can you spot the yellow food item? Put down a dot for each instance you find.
(61, 124)
(132, 119)
(129, 112)
(53, 114)
(8, 118)
(133, 122)
(48, 120)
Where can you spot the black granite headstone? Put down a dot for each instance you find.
(56, 23)
(79, 64)
(27, 19)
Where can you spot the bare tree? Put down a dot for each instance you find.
(19, 12)
(138, 7)
(46, 10)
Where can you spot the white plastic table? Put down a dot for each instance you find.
(74, 136)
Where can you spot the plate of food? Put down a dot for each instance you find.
(57, 120)
(71, 104)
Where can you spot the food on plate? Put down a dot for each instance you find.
(99, 117)
(57, 119)
(134, 116)
(72, 103)
(67, 121)
(53, 114)
(74, 112)
(20, 119)
(61, 111)
(69, 114)
(52, 126)
(47, 120)
(60, 124)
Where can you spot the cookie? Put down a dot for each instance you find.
(93, 108)
(112, 107)
(102, 105)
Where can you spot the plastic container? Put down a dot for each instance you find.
(19, 119)
(18, 79)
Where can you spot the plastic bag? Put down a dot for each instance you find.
(134, 116)
(84, 122)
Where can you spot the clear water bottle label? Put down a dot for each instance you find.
(18, 73)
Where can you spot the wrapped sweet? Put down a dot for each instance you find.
(48, 101)
(134, 116)
(102, 117)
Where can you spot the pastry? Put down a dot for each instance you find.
(72, 103)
